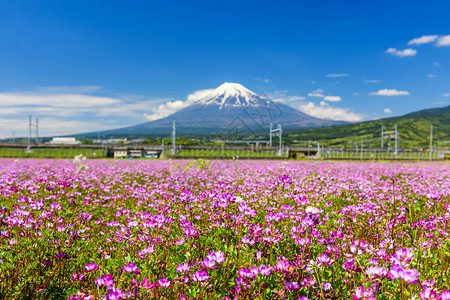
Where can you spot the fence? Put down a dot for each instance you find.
(227, 153)
(224, 153)
(50, 152)
(380, 155)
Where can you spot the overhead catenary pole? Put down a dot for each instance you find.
(270, 135)
(396, 140)
(362, 143)
(174, 133)
(280, 132)
(29, 133)
(431, 141)
(37, 130)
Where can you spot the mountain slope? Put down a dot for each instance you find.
(413, 128)
(230, 107)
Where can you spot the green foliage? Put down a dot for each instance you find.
(199, 164)
(414, 131)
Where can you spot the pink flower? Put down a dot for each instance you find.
(164, 282)
(376, 271)
(200, 276)
(360, 293)
(183, 268)
(409, 275)
(106, 280)
(427, 293)
(323, 259)
(266, 271)
(91, 267)
(444, 295)
(131, 268)
(146, 284)
(217, 256)
(282, 265)
(246, 273)
(208, 264)
(291, 286)
(402, 257)
(78, 276)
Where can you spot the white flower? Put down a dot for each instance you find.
(313, 210)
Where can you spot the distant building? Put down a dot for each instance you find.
(120, 154)
(135, 153)
(151, 154)
(64, 141)
(111, 141)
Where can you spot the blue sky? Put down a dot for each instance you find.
(89, 65)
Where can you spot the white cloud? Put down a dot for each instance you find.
(279, 92)
(390, 92)
(424, 39)
(443, 41)
(371, 81)
(326, 111)
(166, 109)
(355, 93)
(283, 97)
(446, 95)
(66, 110)
(436, 64)
(336, 75)
(387, 111)
(83, 89)
(402, 53)
(265, 80)
(332, 98)
(50, 126)
(431, 75)
(135, 110)
(55, 100)
(197, 95)
(170, 107)
(317, 95)
(295, 98)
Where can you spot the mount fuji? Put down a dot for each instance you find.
(229, 108)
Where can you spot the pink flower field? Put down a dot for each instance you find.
(105, 229)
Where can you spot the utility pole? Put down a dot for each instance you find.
(431, 141)
(174, 134)
(37, 130)
(396, 140)
(29, 133)
(362, 143)
(279, 133)
(382, 136)
(270, 134)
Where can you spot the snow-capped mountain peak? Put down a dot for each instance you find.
(230, 94)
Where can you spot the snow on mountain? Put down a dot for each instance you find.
(230, 94)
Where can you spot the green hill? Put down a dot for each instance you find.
(413, 128)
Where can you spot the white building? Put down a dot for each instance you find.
(64, 141)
